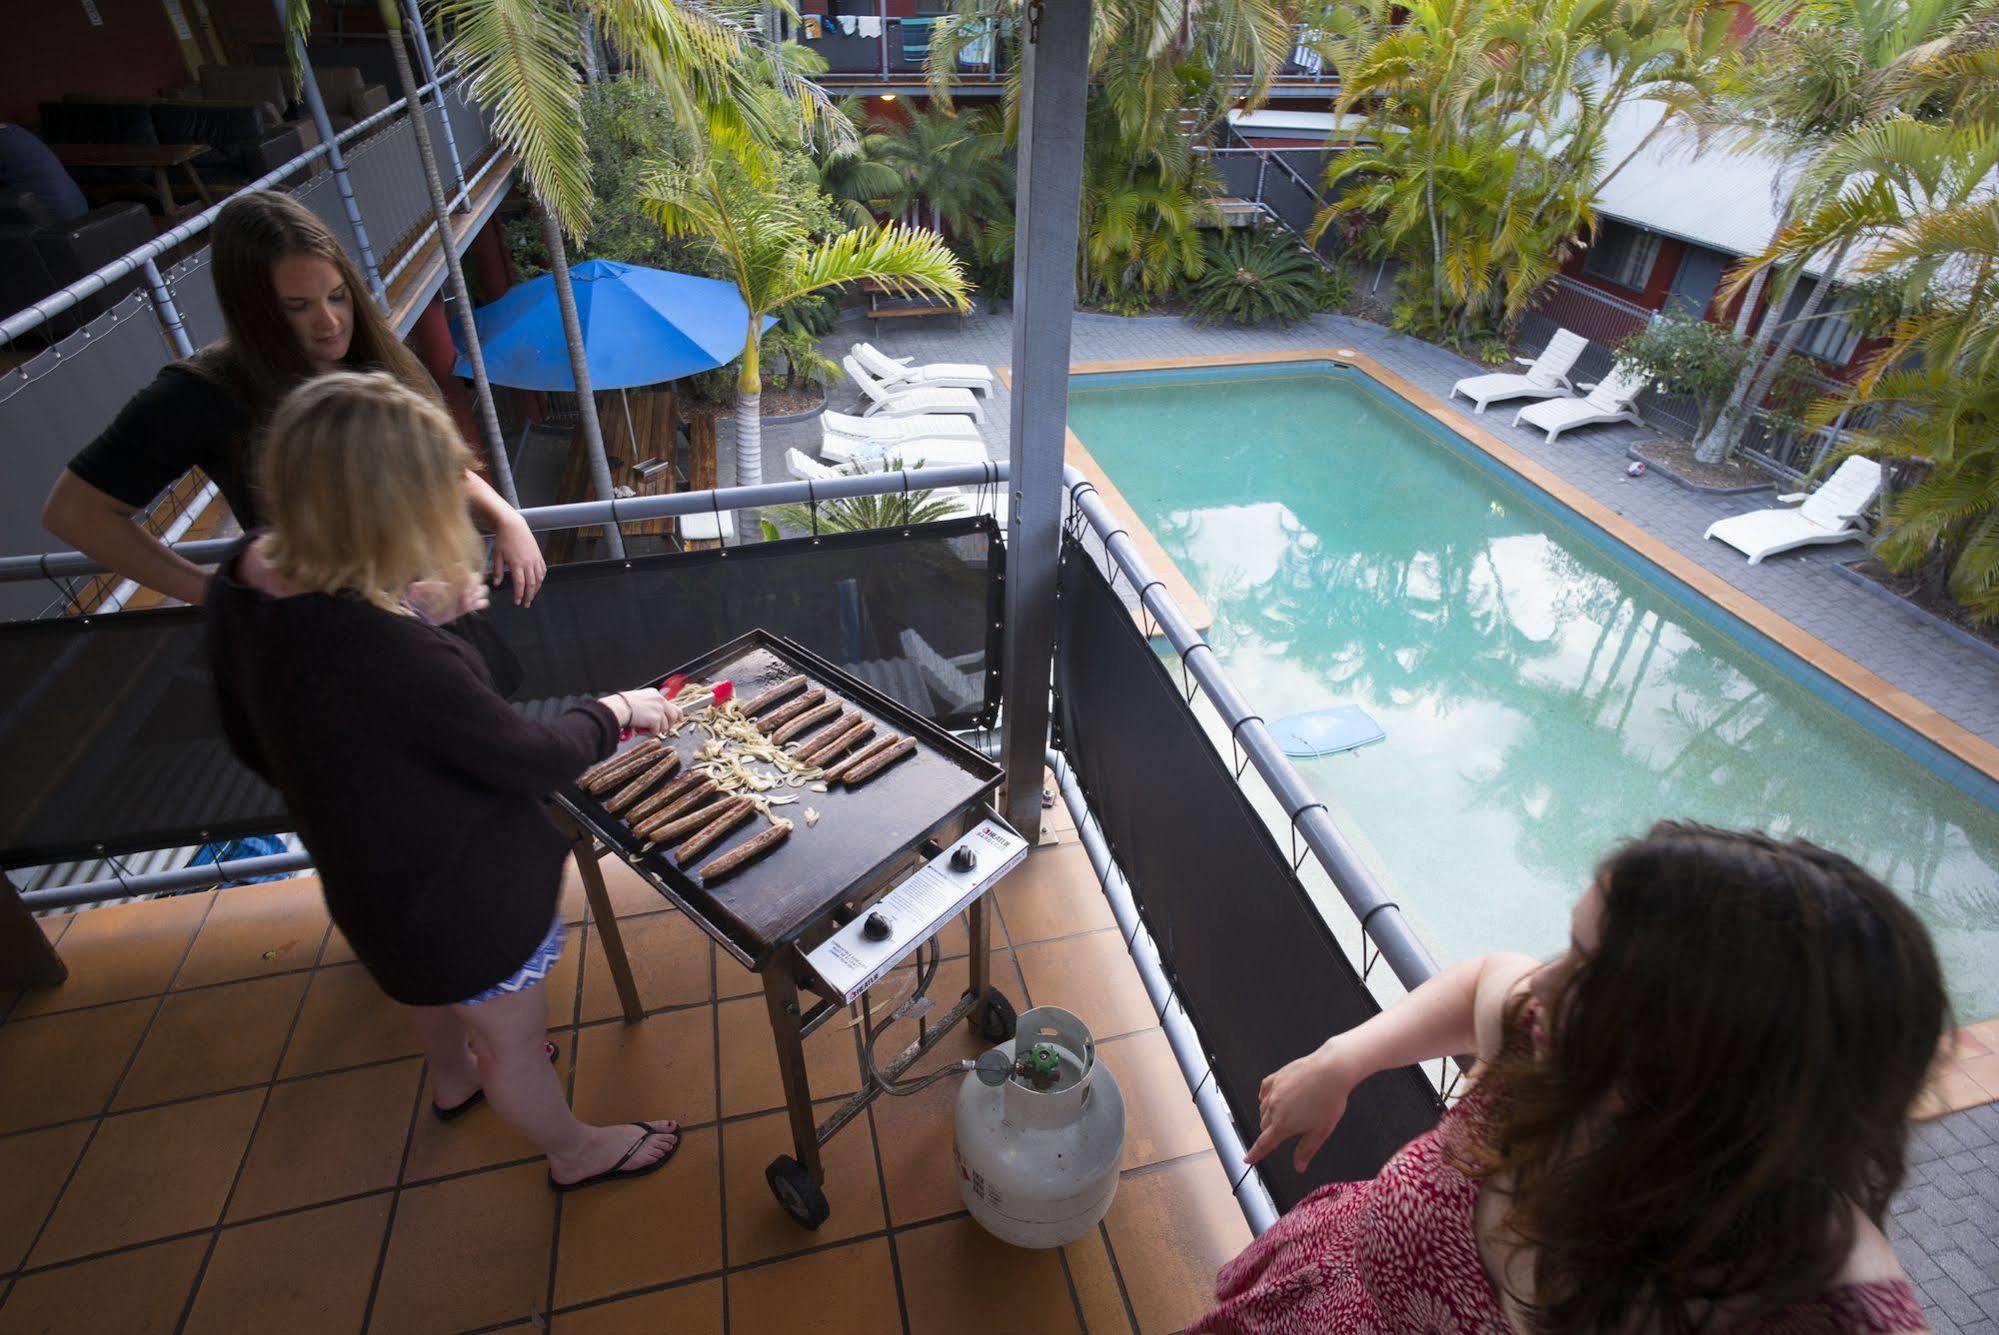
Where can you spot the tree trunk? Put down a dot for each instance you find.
(750, 424)
(1715, 445)
(454, 269)
(1766, 374)
(579, 366)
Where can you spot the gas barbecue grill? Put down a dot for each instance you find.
(830, 910)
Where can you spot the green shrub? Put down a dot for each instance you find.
(1254, 278)
(1337, 285)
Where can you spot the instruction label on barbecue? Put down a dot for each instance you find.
(850, 961)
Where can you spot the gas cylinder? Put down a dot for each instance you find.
(1040, 1133)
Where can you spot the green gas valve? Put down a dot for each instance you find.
(1040, 1064)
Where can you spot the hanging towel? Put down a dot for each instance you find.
(869, 25)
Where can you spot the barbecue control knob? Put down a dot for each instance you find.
(963, 858)
(876, 928)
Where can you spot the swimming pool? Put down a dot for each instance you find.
(1545, 691)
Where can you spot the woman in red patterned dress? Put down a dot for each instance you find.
(1693, 1120)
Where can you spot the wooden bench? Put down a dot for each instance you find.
(904, 306)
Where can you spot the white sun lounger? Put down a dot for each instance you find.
(1609, 400)
(931, 453)
(887, 401)
(842, 437)
(1830, 514)
(896, 371)
(1547, 375)
(976, 500)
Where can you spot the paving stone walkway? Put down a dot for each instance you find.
(1945, 1224)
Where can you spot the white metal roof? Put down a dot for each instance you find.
(1712, 196)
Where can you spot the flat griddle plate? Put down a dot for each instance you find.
(861, 832)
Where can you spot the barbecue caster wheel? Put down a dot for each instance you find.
(996, 1020)
(791, 1182)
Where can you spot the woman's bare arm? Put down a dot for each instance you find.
(101, 527)
(1457, 1011)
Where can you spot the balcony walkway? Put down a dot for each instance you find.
(217, 1125)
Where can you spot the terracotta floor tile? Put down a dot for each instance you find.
(1985, 1071)
(256, 930)
(631, 1235)
(479, 1138)
(1951, 1092)
(1172, 1228)
(347, 1021)
(663, 1066)
(956, 1277)
(1091, 976)
(691, 1309)
(750, 1079)
(845, 1291)
(953, 977)
(213, 1039)
(733, 980)
(151, 1174)
(133, 1293)
(1054, 893)
(1161, 1121)
(337, 950)
(669, 956)
(34, 1167)
(327, 1137)
(126, 950)
(1966, 1041)
(66, 1065)
(302, 1274)
(758, 1228)
(916, 1136)
(1096, 1284)
(473, 1251)
(630, 894)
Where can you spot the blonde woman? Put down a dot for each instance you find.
(415, 787)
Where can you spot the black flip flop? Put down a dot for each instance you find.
(478, 1096)
(618, 1169)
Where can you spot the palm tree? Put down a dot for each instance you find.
(952, 166)
(298, 22)
(728, 203)
(1815, 73)
(860, 176)
(518, 58)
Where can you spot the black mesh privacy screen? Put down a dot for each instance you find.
(1259, 971)
(109, 738)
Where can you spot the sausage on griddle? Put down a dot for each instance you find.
(856, 775)
(860, 757)
(784, 713)
(741, 856)
(608, 775)
(642, 785)
(766, 699)
(838, 746)
(807, 749)
(806, 722)
(714, 831)
(687, 801)
(665, 832)
(678, 788)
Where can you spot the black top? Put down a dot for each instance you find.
(184, 419)
(416, 788)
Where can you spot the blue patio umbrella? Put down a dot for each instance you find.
(640, 327)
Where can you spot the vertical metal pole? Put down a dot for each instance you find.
(884, 38)
(1262, 170)
(163, 305)
(1053, 84)
(460, 199)
(337, 163)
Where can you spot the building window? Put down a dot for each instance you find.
(1830, 336)
(1623, 255)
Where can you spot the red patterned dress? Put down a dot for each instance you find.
(1398, 1255)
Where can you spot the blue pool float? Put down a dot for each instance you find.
(1325, 732)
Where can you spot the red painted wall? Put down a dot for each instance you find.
(52, 48)
(1660, 282)
(430, 339)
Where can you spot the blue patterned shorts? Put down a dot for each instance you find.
(537, 968)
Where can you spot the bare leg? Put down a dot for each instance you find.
(447, 1047)
(507, 1036)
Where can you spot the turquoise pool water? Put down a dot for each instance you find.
(1545, 693)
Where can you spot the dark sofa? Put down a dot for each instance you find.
(242, 142)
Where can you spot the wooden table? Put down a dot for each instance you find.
(158, 157)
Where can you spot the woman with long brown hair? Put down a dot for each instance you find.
(1693, 1120)
(294, 307)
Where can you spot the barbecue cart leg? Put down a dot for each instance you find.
(781, 995)
(605, 923)
(994, 1016)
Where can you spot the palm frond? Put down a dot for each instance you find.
(515, 57)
